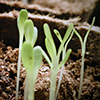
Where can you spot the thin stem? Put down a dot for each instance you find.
(60, 78)
(18, 70)
(85, 39)
(26, 89)
(52, 84)
(78, 35)
(81, 76)
(31, 89)
(63, 55)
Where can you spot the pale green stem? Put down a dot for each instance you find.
(52, 84)
(81, 73)
(61, 72)
(26, 89)
(31, 86)
(18, 70)
(60, 78)
(81, 77)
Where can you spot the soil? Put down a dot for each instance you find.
(62, 9)
(58, 14)
(70, 81)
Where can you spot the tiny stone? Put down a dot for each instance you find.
(4, 94)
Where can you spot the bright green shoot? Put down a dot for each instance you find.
(31, 58)
(30, 32)
(83, 47)
(55, 56)
(63, 55)
(27, 59)
(23, 16)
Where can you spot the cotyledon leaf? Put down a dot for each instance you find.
(48, 35)
(35, 36)
(49, 48)
(58, 35)
(46, 57)
(65, 58)
(23, 16)
(66, 36)
(27, 56)
(37, 60)
(29, 30)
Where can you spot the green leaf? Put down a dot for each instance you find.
(23, 16)
(37, 60)
(35, 36)
(49, 36)
(47, 32)
(68, 32)
(37, 57)
(58, 35)
(66, 44)
(66, 36)
(85, 39)
(28, 30)
(78, 35)
(49, 48)
(27, 56)
(65, 59)
(46, 57)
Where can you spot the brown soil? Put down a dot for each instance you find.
(62, 9)
(58, 14)
(70, 80)
(70, 7)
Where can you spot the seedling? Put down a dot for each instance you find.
(83, 48)
(31, 58)
(23, 16)
(55, 56)
(63, 55)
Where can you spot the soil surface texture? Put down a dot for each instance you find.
(70, 81)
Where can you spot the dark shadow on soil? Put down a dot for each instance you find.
(96, 13)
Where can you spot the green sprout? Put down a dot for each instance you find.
(23, 16)
(31, 58)
(63, 54)
(83, 48)
(30, 32)
(54, 59)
